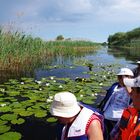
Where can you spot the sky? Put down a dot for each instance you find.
(92, 20)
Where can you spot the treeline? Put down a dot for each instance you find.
(129, 39)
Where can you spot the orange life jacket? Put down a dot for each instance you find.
(130, 125)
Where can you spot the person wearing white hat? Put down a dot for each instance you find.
(128, 128)
(116, 99)
(136, 71)
(80, 122)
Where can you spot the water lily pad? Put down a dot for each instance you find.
(10, 136)
(27, 80)
(5, 109)
(25, 113)
(8, 117)
(13, 93)
(3, 122)
(13, 81)
(40, 114)
(51, 120)
(88, 101)
(4, 128)
(16, 105)
(18, 121)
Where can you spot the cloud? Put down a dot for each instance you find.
(120, 11)
(71, 16)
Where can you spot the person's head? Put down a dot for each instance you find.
(65, 107)
(138, 63)
(134, 84)
(124, 72)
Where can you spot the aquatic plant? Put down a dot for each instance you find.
(20, 52)
(30, 98)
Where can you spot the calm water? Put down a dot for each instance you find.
(102, 56)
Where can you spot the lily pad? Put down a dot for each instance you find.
(5, 109)
(3, 122)
(18, 121)
(13, 93)
(51, 119)
(40, 114)
(8, 117)
(4, 128)
(88, 101)
(25, 113)
(10, 136)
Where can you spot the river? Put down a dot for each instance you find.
(102, 56)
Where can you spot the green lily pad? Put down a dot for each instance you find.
(13, 81)
(27, 80)
(25, 113)
(8, 117)
(5, 109)
(40, 114)
(16, 105)
(18, 121)
(10, 136)
(13, 93)
(88, 101)
(51, 119)
(3, 122)
(4, 128)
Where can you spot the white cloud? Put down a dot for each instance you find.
(119, 11)
(87, 16)
(76, 6)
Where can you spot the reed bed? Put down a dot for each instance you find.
(20, 52)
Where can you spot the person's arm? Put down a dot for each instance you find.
(94, 131)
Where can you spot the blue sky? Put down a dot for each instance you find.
(81, 19)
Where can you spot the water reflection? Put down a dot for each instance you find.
(132, 54)
(102, 57)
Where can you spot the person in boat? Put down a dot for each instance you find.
(115, 101)
(80, 122)
(136, 70)
(128, 128)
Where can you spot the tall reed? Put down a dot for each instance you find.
(19, 51)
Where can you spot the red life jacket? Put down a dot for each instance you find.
(130, 125)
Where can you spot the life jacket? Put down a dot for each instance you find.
(77, 130)
(130, 125)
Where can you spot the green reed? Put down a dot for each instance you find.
(18, 50)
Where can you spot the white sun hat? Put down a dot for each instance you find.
(138, 62)
(64, 105)
(134, 82)
(125, 71)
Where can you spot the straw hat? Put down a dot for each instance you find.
(125, 71)
(64, 105)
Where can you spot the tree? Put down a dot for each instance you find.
(60, 37)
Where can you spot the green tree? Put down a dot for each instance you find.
(60, 37)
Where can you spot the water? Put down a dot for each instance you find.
(102, 57)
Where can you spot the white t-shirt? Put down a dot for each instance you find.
(118, 102)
